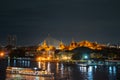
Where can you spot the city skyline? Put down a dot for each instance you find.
(51, 41)
(32, 21)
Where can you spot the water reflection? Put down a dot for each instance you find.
(98, 73)
(57, 67)
(112, 69)
(39, 65)
(90, 73)
(83, 69)
(48, 67)
(112, 72)
(63, 72)
(14, 63)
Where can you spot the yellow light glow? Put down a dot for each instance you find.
(65, 58)
(1, 54)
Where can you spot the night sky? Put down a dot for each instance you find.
(32, 20)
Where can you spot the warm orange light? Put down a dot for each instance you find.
(1, 54)
(38, 59)
(65, 58)
(48, 58)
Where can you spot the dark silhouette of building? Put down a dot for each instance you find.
(12, 40)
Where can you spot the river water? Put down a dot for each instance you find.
(61, 71)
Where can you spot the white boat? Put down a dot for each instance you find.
(28, 71)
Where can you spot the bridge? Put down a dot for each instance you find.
(51, 42)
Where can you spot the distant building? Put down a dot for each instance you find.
(12, 40)
(73, 45)
(62, 46)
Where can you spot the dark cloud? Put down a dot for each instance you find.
(33, 20)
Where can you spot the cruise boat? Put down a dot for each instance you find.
(29, 72)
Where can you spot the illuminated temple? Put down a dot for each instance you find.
(52, 44)
(91, 45)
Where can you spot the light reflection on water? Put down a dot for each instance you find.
(39, 64)
(48, 67)
(112, 72)
(23, 77)
(90, 73)
(67, 72)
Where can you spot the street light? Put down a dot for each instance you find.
(2, 55)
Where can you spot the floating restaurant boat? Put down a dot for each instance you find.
(29, 72)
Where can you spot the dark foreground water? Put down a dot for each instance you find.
(74, 72)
